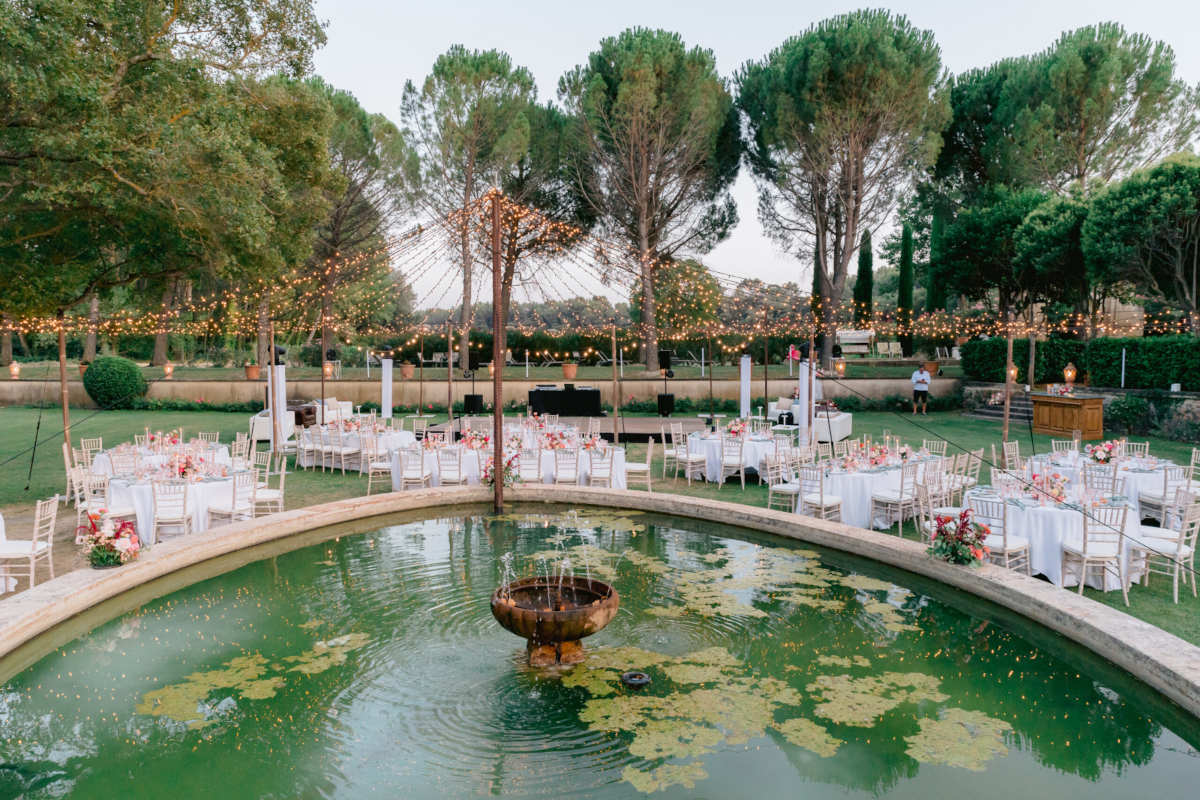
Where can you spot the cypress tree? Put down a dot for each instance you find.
(904, 303)
(864, 283)
(935, 292)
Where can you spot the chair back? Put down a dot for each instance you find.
(812, 482)
(566, 464)
(992, 513)
(529, 467)
(170, 499)
(1103, 478)
(1173, 513)
(600, 464)
(841, 449)
(97, 492)
(649, 451)
(935, 447)
(824, 451)
(420, 427)
(212, 437)
(731, 450)
(1104, 525)
(45, 517)
(1173, 476)
(243, 488)
(449, 463)
(908, 480)
(91, 446)
(1064, 445)
(1012, 455)
(124, 462)
(1136, 449)
(778, 471)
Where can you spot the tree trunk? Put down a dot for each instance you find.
(1008, 382)
(650, 324)
(263, 343)
(160, 338)
(89, 342)
(464, 319)
(6, 348)
(64, 392)
(1031, 372)
(326, 330)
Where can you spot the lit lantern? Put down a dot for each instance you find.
(1069, 373)
(14, 370)
(1012, 372)
(492, 369)
(168, 370)
(327, 369)
(839, 366)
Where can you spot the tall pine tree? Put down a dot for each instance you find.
(904, 302)
(864, 283)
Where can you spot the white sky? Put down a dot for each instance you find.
(375, 46)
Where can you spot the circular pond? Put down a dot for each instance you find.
(371, 665)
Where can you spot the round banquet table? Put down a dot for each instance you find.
(140, 495)
(1138, 478)
(388, 441)
(855, 489)
(755, 452)
(472, 460)
(1048, 527)
(102, 463)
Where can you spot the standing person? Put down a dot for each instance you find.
(920, 383)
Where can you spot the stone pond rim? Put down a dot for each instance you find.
(524, 608)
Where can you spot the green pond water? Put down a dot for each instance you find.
(370, 666)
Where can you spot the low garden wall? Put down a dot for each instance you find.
(408, 393)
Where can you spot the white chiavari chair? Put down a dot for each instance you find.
(378, 462)
(1153, 504)
(99, 500)
(91, 446)
(1173, 550)
(824, 451)
(19, 557)
(450, 466)
(414, 468)
(124, 462)
(1101, 546)
(141, 440)
(1103, 478)
(170, 507)
(1064, 446)
(420, 427)
(693, 462)
(268, 499)
(841, 449)
(782, 491)
(341, 449)
(1135, 449)
(240, 504)
(600, 467)
(529, 466)
(212, 437)
(639, 472)
(668, 452)
(896, 505)
(732, 460)
(1007, 549)
(935, 447)
(566, 466)
(814, 501)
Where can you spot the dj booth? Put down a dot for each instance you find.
(567, 401)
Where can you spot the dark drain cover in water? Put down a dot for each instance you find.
(635, 680)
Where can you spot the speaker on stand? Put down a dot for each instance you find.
(666, 401)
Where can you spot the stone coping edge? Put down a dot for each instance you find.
(1159, 659)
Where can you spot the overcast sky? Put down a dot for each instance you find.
(375, 46)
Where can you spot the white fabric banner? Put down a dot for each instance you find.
(279, 403)
(745, 387)
(385, 393)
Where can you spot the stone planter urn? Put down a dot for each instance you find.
(252, 371)
(406, 370)
(569, 370)
(82, 369)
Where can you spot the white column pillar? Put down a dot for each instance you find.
(385, 389)
(745, 387)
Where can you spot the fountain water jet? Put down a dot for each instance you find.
(552, 615)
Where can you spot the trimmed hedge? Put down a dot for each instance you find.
(114, 382)
(1150, 363)
(175, 404)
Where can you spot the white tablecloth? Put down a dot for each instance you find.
(1137, 479)
(471, 466)
(755, 453)
(1048, 527)
(834, 427)
(102, 463)
(141, 496)
(855, 490)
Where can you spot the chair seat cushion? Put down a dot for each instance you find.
(1166, 547)
(15, 548)
(226, 508)
(268, 494)
(119, 511)
(815, 500)
(995, 543)
(947, 511)
(1151, 497)
(787, 488)
(1095, 549)
(384, 465)
(890, 496)
(635, 467)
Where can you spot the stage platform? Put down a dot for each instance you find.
(632, 429)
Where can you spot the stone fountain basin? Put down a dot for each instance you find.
(523, 607)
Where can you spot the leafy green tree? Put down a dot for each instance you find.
(904, 295)
(864, 282)
(469, 123)
(841, 118)
(1147, 228)
(660, 133)
(687, 297)
(1098, 104)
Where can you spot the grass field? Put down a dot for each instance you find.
(17, 426)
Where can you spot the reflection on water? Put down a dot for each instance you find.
(371, 664)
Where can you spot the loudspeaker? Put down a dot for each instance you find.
(473, 404)
(472, 360)
(664, 359)
(331, 354)
(666, 405)
(280, 352)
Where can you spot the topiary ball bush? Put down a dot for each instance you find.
(114, 382)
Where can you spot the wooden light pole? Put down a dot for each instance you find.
(272, 392)
(1008, 377)
(62, 378)
(497, 362)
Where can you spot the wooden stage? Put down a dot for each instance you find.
(632, 429)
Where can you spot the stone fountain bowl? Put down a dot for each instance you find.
(524, 607)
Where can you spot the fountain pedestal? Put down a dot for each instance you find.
(553, 615)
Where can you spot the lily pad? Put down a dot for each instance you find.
(664, 777)
(959, 738)
(809, 735)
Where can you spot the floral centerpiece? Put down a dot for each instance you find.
(1102, 453)
(1061, 389)
(850, 463)
(959, 540)
(109, 544)
(536, 420)
(509, 474)
(475, 440)
(593, 442)
(736, 427)
(555, 440)
(161, 439)
(1051, 485)
(186, 467)
(431, 442)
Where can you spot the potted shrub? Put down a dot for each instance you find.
(252, 370)
(407, 368)
(114, 382)
(570, 368)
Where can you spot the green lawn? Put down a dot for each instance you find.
(17, 426)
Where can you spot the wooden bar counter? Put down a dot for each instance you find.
(1061, 415)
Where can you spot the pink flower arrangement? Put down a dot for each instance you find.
(509, 474)
(736, 427)
(593, 443)
(109, 544)
(555, 440)
(959, 540)
(1102, 453)
(476, 440)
